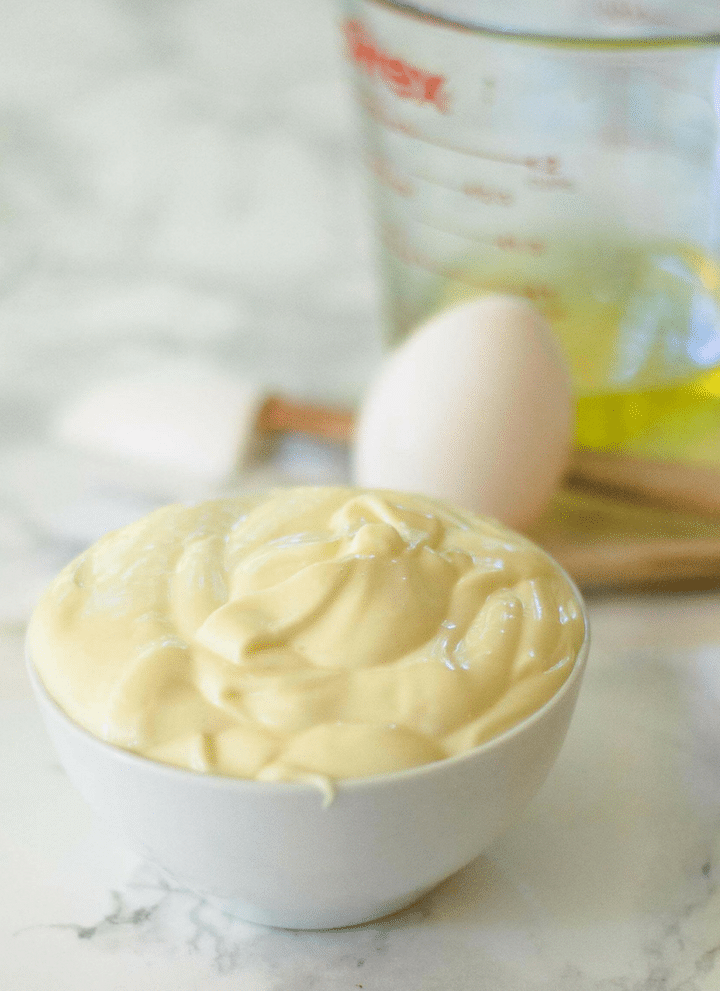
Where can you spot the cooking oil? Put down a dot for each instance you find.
(640, 327)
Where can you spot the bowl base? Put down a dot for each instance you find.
(315, 917)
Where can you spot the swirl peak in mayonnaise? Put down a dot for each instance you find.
(311, 634)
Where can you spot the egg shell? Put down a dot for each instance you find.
(475, 407)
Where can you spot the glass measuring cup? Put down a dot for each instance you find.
(568, 153)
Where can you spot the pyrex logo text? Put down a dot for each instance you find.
(404, 80)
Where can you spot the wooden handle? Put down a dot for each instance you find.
(281, 415)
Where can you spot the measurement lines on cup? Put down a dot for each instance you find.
(545, 164)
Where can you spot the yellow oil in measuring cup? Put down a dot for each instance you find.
(658, 394)
(677, 421)
(579, 172)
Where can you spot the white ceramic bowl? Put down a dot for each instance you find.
(274, 854)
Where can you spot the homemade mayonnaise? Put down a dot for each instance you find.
(308, 634)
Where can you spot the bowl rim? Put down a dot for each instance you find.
(387, 779)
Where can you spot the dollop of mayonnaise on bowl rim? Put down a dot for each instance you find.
(307, 635)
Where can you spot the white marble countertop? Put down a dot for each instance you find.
(180, 179)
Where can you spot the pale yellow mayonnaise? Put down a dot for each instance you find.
(306, 634)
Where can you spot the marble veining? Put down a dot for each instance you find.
(158, 920)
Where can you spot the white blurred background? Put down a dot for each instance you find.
(179, 176)
(179, 179)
